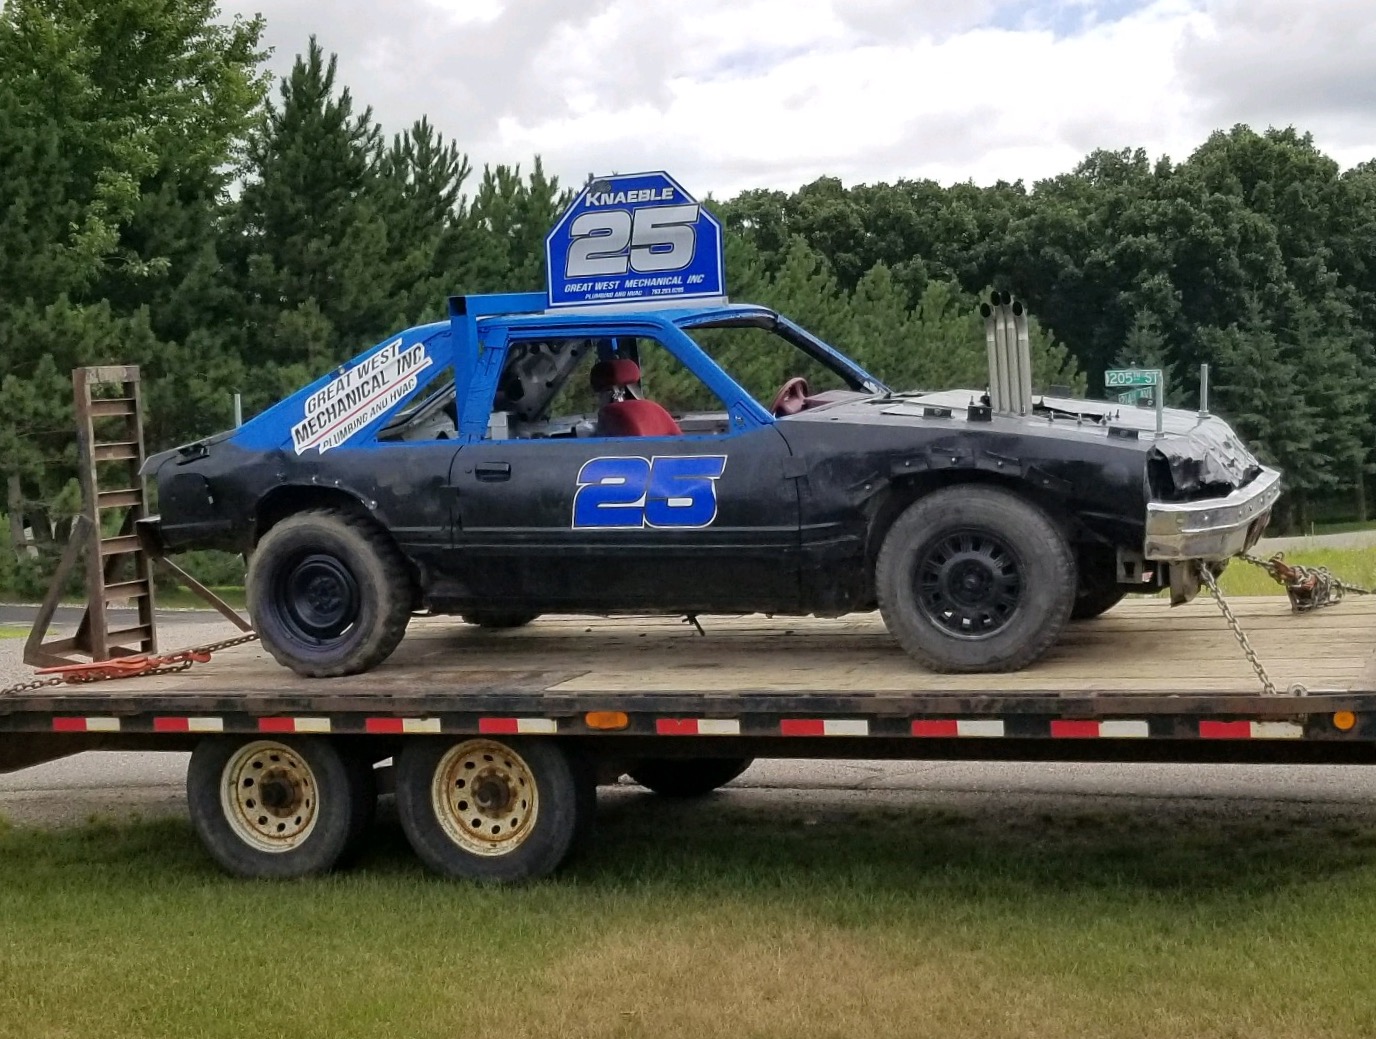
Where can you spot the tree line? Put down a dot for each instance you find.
(164, 203)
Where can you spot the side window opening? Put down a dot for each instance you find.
(605, 387)
(430, 414)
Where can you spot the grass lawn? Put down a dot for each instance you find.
(719, 919)
(12, 631)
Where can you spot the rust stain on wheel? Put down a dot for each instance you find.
(484, 796)
(269, 796)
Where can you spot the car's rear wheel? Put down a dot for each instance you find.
(974, 579)
(329, 593)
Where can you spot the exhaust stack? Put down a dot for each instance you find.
(1010, 355)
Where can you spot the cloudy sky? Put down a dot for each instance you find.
(732, 94)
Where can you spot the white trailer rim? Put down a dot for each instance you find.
(485, 798)
(269, 796)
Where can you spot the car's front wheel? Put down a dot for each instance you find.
(329, 593)
(975, 579)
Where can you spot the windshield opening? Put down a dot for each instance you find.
(762, 352)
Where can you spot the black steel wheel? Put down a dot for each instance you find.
(329, 593)
(687, 777)
(316, 597)
(975, 578)
(969, 583)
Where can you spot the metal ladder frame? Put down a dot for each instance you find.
(104, 556)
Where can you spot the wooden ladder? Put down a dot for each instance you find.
(109, 419)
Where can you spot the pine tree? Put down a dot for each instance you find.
(306, 243)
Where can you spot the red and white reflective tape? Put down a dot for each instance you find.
(1250, 730)
(697, 727)
(188, 724)
(514, 726)
(103, 724)
(408, 726)
(1114, 729)
(824, 727)
(296, 725)
(958, 727)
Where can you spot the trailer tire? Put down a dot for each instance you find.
(498, 811)
(687, 777)
(497, 620)
(363, 781)
(275, 808)
(975, 579)
(329, 593)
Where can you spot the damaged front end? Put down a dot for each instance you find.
(1209, 499)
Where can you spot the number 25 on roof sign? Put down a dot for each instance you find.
(661, 238)
(634, 237)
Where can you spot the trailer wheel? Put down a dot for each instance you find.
(491, 810)
(687, 777)
(329, 593)
(275, 808)
(975, 579)
(498, 619)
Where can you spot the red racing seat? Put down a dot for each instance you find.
(625, 416)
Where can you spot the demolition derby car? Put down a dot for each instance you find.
(526, 457)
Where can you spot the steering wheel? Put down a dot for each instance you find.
(791, 397)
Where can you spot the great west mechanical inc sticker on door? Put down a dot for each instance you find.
(344, 405)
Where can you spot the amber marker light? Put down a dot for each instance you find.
(606, 719)
(1344, 721)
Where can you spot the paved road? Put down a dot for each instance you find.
(23, 614)
(1352, 539)
(119, 785)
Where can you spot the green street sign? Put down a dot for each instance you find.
(1116, 378)
(1140, 394)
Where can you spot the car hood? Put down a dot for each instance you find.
(1202, 452)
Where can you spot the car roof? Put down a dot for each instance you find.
(687, 316)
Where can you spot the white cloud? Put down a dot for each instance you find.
(732, 94)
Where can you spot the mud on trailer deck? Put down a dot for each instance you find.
(500, 737)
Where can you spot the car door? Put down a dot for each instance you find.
(693, 522)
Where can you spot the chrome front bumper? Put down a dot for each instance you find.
(1214, 528)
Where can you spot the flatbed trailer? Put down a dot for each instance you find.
(500, 737)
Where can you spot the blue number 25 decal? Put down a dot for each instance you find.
(664, 491)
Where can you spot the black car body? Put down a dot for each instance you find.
(448, 446)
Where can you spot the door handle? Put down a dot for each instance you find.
(492, 471)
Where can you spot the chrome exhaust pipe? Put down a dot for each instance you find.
(1010, 355)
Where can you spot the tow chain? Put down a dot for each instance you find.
(136, 666)
(1268, 687)
(1308, 587)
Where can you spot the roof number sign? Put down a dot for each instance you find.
(630, 237)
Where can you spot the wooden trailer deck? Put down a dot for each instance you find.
(1139, 648)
